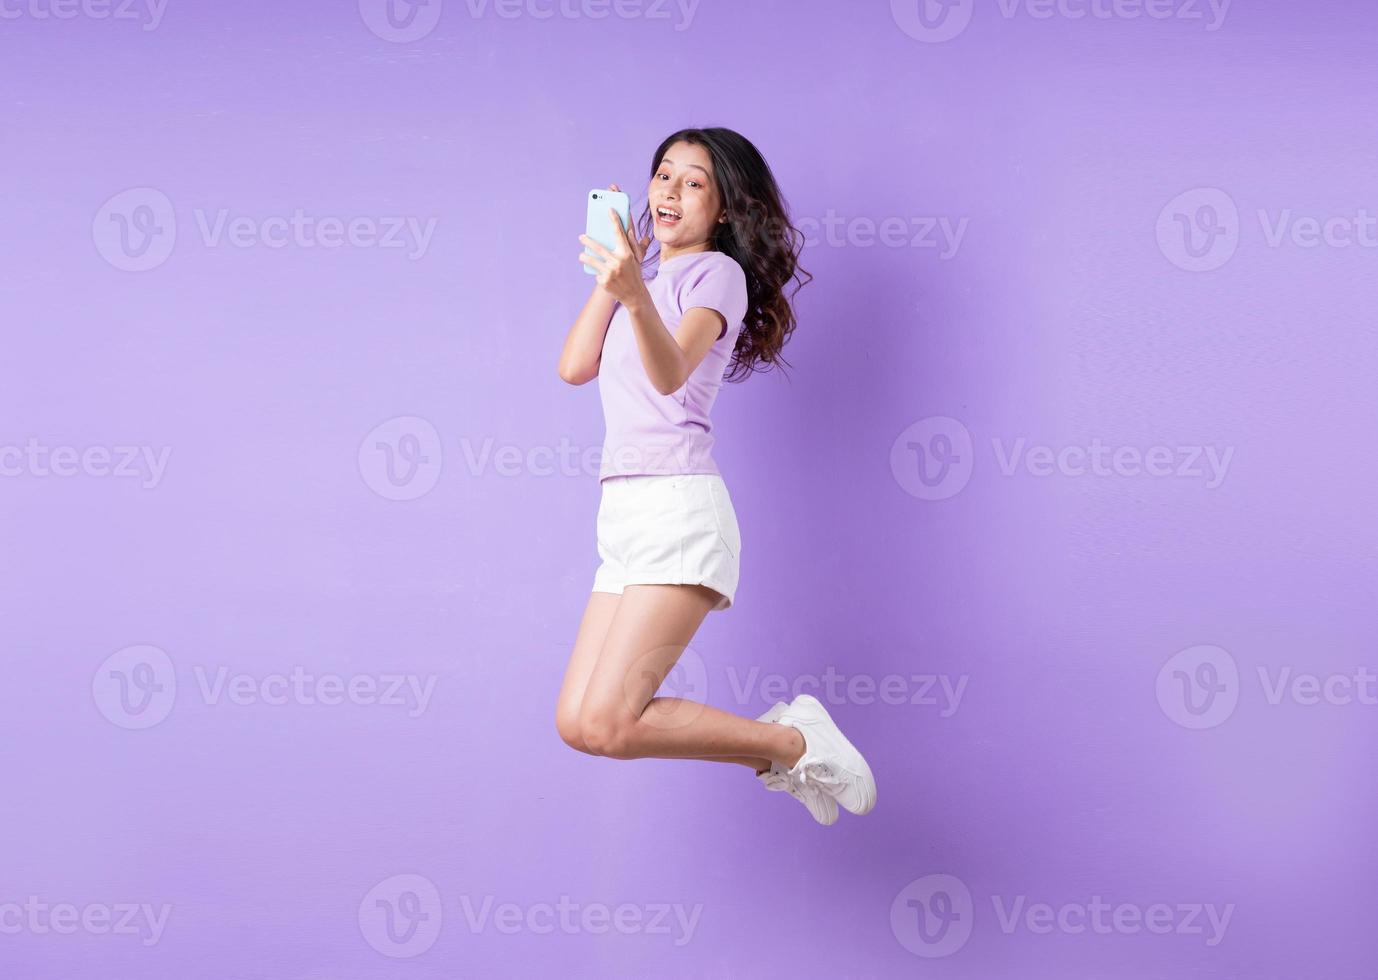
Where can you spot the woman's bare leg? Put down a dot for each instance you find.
(588, 644)
(619, 715)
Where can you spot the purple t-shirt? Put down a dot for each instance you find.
(651, 433)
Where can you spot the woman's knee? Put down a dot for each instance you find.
(571, 732)
(607, 733)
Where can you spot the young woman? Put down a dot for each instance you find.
(667, 533)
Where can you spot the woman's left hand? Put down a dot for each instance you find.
(619, 271)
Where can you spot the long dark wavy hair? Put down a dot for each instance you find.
(758, 234)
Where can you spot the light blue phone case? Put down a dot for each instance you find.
(599, 225)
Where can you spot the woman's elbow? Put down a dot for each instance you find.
(667, 389)
(576, 376)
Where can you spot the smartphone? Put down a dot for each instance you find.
(599, 225)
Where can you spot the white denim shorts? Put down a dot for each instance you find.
(674, 529)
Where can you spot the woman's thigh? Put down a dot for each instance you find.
(588, 642)
(650, 628)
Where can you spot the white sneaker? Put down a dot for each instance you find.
(821, 806)
(830, 762)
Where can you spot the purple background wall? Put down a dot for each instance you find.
(1145, 684)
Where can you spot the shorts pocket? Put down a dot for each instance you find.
(725, 516)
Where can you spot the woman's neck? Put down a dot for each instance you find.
(666, 254)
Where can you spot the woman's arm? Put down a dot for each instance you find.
(583, 350)
(584, 344)
(669, 359)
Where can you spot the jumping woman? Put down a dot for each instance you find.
(667, 532)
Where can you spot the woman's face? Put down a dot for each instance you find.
(684, 198)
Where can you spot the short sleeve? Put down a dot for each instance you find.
(720, 285)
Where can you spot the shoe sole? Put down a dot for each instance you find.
(870, 783)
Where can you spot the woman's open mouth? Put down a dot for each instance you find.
(668, 216)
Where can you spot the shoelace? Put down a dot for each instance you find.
(820, 775)
(777, 779)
